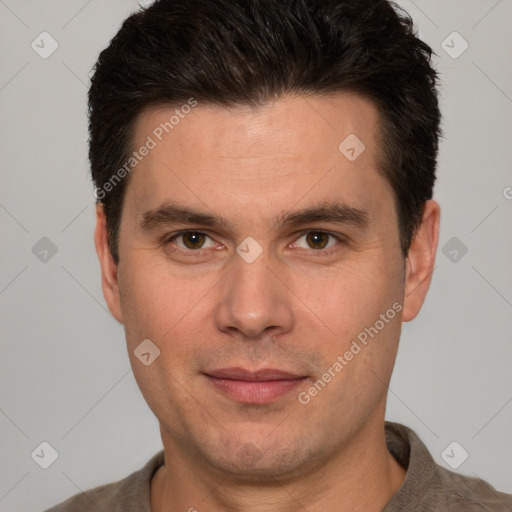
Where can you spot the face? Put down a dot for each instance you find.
(266, 267)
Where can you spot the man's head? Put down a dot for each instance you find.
(278, 219)
(244, 52)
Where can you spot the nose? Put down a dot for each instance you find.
(254, 301)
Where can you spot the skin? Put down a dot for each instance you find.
(295, 308)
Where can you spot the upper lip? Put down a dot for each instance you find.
(250, 376)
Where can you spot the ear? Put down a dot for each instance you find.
(109, 281)
(420, 260)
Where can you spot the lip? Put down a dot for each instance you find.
(259, 387)
(266, 374)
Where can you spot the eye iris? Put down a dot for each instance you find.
(193, 240)
(317, 240)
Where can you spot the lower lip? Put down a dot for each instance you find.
(255, 392)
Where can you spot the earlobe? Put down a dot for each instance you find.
(109, 270)
(421, 260)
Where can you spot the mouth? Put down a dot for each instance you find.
(260, 387)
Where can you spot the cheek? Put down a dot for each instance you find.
(156, 303)
(167, 311)
(356, 304)
(363, 313)
(348, 298)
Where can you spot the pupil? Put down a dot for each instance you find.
(317, 240)
(193, 240)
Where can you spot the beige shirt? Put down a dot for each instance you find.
(427, 486)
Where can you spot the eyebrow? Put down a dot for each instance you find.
(171, 213)
(334, 212)
(339, 213)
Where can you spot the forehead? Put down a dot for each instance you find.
(272, 129)
(315, 146)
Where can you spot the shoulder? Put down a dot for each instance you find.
(473, 494)
(102, 498)
(130, 494)
(431, 487)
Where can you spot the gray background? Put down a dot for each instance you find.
(65, 374)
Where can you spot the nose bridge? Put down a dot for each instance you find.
(253, 299)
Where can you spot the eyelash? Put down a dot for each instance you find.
(199, 252)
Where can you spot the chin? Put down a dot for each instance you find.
(260, 460)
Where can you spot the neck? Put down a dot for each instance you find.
(362, 476)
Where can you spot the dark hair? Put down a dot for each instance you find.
(235, 52)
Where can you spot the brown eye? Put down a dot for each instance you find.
(191, 244)
(318, 242)
(193, 240)
(317, 239)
